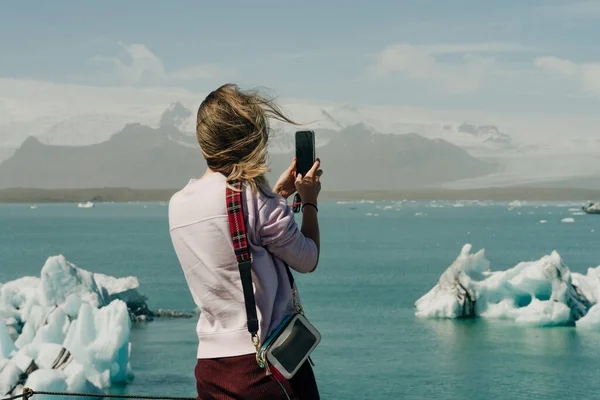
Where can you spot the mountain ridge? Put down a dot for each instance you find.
(140, 156)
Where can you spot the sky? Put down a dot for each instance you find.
(518, 57)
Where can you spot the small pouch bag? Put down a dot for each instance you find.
(289, 346)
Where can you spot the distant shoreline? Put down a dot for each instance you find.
(123, 195)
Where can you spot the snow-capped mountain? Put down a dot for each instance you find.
(176, 115)
(483, 138)
(74, 115)
(92, 118)
(144, 157)
(77, 124)
(64, 129)
(487, 134)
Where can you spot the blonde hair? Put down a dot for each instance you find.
(233, 132)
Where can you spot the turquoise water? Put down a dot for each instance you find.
(372, 270)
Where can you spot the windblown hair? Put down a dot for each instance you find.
(233, 132)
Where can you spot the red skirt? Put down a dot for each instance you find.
(241, 378)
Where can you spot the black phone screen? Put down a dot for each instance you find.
(305, 151)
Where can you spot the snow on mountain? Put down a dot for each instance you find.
(78, 115)
(324, 121)
(528, 148)
(544, 165)
(176, 115)
(90, 128)
(488, 134)
(86, 115)
(478, 138)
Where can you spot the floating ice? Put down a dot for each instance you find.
(567, 220)
(99, 339)
(543, 221)
(593, 207)
(543, 292)
(591, 320)
(435, 204)
(516, 204)
(88, 204)
(7, 347)
(69, 329)
(356, 202)
(64, 330)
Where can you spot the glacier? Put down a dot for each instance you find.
(69, 329)
(538, 293)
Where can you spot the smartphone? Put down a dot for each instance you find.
(305, 151)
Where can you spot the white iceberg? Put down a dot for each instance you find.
(87, 204)
(67, 330)
(593, 208)
(356, 202)
(543, 292)
(516, 204)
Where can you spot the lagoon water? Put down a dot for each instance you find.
(378, 258)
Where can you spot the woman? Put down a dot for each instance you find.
(233, 132)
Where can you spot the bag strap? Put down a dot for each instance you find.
(237, 227)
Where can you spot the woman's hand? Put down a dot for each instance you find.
(285, 184)
(309, 186)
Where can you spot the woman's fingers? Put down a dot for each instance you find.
(312, 174)
(314, 168)
(292, 166)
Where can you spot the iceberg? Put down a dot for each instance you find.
(69, 329)
(592, 208)
(541, 293)
(516, 204)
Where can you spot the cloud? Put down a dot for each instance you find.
(465, 73)
(551, 63)
(140, 66)
(587, 75)
(463, 68)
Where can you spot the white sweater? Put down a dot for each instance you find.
(200, 233)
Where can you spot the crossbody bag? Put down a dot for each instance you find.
(289, 346)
